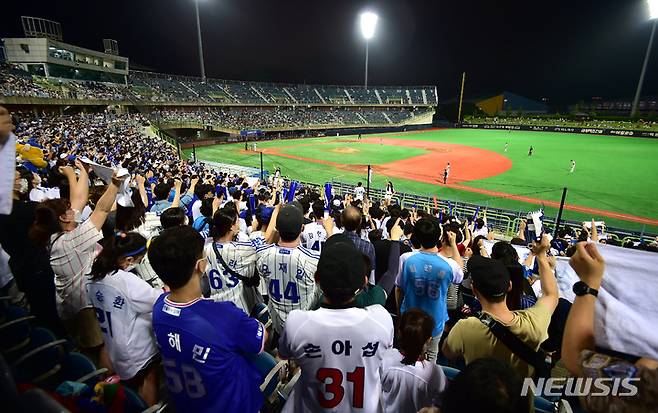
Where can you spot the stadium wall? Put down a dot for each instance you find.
(588, 131)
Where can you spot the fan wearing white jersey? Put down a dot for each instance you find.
(409, 381)
(288, 268)
(232, 269)
(339, 347)
(314, 234)
(359, 191)
(124, 304)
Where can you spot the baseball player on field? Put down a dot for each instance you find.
(339, 347)
(288, 268)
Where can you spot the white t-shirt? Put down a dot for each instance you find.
(409, 388)
(196, 210)
(340, 353)
(403, 258)
(313, 236)
(290, 277)
(124, 303)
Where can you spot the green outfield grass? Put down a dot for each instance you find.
(613, 173)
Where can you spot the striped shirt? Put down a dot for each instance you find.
(290, 277)
(71, 256)
(241, 258)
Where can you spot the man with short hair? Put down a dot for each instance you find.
(339, 347)
(472, 339)
(359, 191)
(314, 234)
(288, 268)
(203, 343)
(425, 278)
(351, 219)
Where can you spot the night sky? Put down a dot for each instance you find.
(566, 50)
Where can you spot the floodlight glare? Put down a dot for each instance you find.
(368, 24)
(653, 9)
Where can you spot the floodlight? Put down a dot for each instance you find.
(369, 22)
(653, 9)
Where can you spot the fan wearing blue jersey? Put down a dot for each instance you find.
(425, 278)
(204, 344)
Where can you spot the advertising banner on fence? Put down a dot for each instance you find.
(589, 131)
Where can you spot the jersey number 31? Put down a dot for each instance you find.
(335, 386)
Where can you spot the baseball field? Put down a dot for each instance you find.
(615, 178)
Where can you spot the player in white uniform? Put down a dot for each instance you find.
(314, 234)
(229, 284)
(390, 191)
(359, 191)
(339, 347)
(288, 269)
(124, 304)
(573, 166)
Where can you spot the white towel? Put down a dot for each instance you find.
(626, 314)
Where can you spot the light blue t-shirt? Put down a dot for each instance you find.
(424, 280)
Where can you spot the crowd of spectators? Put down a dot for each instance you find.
(153, 87)
(585, 122)
(282, 117)
(149, 262)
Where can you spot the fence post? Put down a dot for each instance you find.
(261, 165)
(559, 214)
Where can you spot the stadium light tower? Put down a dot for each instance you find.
(653, 15)
(198, 32)
(368, 25)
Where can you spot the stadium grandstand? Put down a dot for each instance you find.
(189, 244)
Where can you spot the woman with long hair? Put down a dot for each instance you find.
(124, 303)
(390, 191)
(231, 261)
(73, 246)
(521, 295)
(409, 381)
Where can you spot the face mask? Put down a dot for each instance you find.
(22, 186)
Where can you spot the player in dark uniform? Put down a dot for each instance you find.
(530, 150)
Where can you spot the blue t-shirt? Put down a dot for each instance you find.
(203, 346)
(424, 280)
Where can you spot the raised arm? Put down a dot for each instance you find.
(142, 190)
(521, 233)
(454, 251)
(387, 279)
(550, 292)
(177, 185)
(579, 330)
(271, 233)
(595, 232)
(106, 202)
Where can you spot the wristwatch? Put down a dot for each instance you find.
(581, 288)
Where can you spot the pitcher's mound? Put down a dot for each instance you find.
(345, 150)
